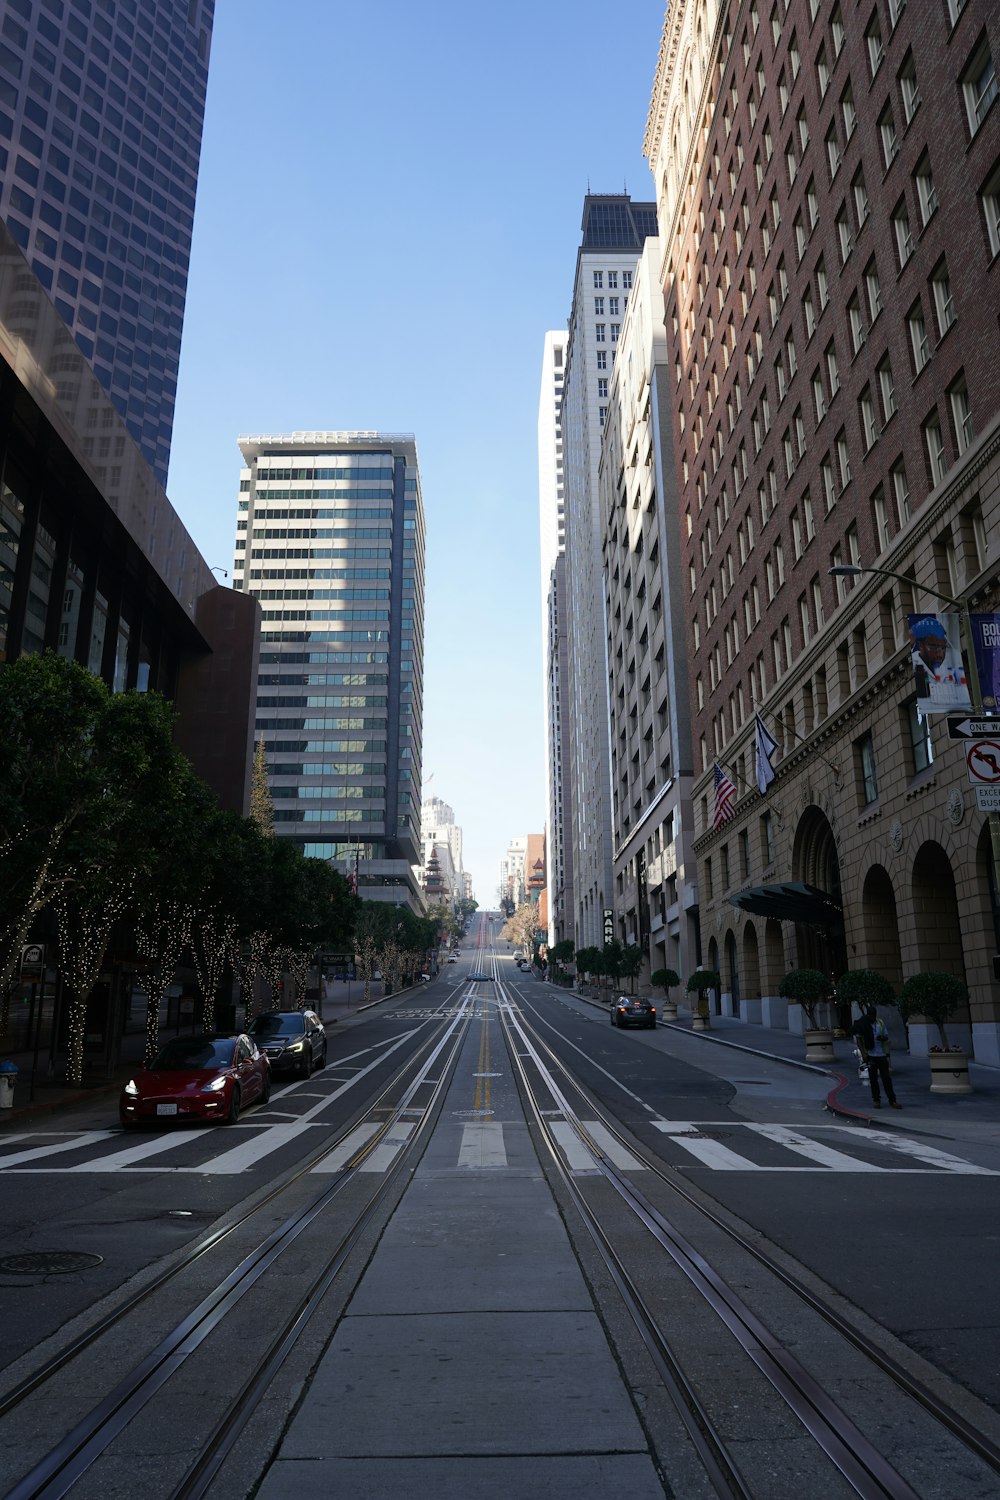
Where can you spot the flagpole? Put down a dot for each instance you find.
(786, 729)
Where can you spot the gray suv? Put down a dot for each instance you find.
(292, 1040)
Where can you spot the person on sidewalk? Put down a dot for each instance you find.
(872, 1038)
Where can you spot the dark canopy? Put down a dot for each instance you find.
(791, 902)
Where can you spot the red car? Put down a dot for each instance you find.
(203, 1077)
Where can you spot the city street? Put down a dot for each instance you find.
(869, 1221)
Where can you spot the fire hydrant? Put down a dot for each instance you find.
(8, 1078)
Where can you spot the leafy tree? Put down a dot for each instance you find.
(261, 801)
(809, 987)
(632, 960)
(935, 996)
(665, 980)
(699, 983)
(562, 952)
(861, 987)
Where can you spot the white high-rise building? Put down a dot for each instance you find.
(438, 830)
(555, 665)
(330, 539)
(614, 230)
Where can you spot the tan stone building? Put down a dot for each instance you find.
(828, 190)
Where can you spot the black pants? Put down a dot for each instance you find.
(878, 1067)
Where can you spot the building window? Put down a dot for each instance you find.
(849, 113)
(857, 324)
(602, 388)
(944, 304)
(819, 396)
(844, 460)
(901, 491)
(873, 291)
(829, 487)
(869, 423)
(887, 134)
(961, 415)
(887, 389)
(822, 284)
(613, 305)
(602, 359)
(909, 92)
(844, 236)
(832, 150)
(616, 329)
(979, 85)
(613, 281)
(904, 237)
(991, 212)
(919, 728)
(599, 306)
(926, 192)
(767, 839)
(873, 39)
(860, 198)
(868, 777)
(934, 441)
(919, 342)
(808, 314)
(598, 279)
(599, 331)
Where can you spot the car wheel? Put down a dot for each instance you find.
(322, 1057)
(307, 1064)
(234, 1107)
(265, 1094)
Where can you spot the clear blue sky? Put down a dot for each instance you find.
(388, 216)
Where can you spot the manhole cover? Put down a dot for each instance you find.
(49, 1262)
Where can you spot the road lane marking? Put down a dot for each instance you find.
(349, 1146)
(89, 1138)
(803, 1145)
(482, 1145)
(389, 1147)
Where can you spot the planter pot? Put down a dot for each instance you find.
(819, 1046)
(949, 1073)
(668, 1011)
(700, 1023)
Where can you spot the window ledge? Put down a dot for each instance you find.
(869, 814)
(924, 781)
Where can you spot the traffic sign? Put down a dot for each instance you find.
(32, 962)
(972, 729)
(982, 758)
(988, 799)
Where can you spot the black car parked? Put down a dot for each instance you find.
(629, 1012)
(291, 1040)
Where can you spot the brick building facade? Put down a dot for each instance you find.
(828, 185)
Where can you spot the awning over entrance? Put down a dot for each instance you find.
(791, 902)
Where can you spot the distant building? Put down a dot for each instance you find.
(441, 835)
(555, 637)
(656, 893)
(613, 232)
(330, 539)
(101, 113)
(109, 577)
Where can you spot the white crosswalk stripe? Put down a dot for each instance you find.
(750, 1146)
(482, 1145)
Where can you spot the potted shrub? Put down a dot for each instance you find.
(861, 987)
(809, 988)
(665, 979)
(936, 997)
(699, 983)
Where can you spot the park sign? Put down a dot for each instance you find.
(609, 925)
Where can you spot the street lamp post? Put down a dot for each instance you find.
(854, 570)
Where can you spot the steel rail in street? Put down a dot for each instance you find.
(867, 1470)
(981, 1444)
(54, 1474)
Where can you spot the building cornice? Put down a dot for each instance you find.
(670, 41)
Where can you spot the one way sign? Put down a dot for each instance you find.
(972, 729)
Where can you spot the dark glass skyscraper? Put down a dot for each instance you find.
(101, 110)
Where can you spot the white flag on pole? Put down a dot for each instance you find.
(764, 747)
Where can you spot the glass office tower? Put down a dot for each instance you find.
(330, 539)
(101, 111)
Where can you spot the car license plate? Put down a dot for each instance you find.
(166, 1109)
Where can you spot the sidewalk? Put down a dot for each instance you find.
(54, 1094)
(849, 1097)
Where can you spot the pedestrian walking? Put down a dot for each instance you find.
(872, 1038)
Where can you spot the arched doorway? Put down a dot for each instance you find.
(731, 978)
(751, 975)
(714, 966)
(880, 927)
(774, 956)
(935, 908)
(815, 862)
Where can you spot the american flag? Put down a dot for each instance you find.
(725, 796)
